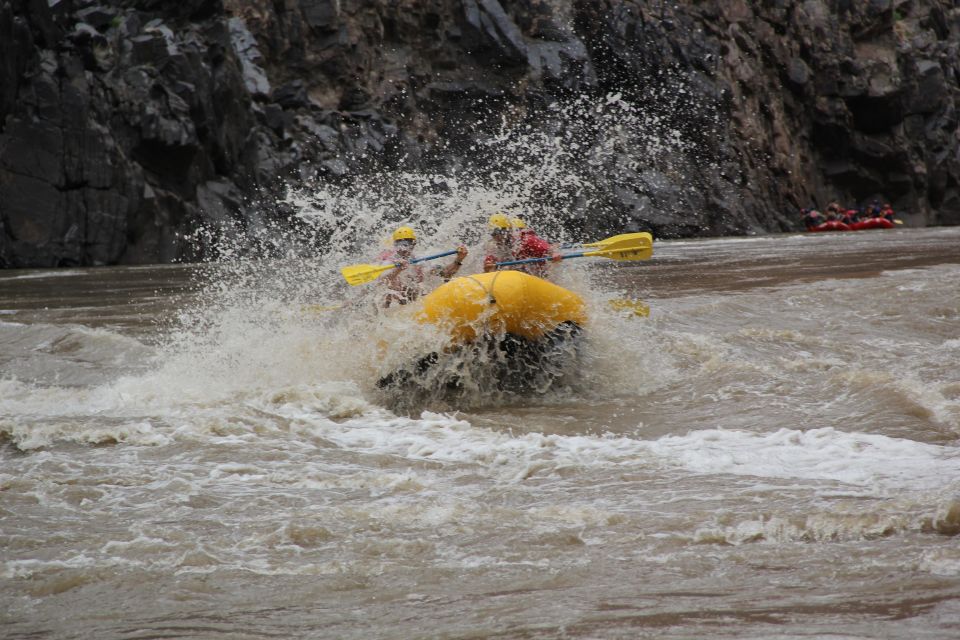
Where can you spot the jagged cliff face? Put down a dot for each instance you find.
(126, 125)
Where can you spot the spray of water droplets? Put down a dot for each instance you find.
(285, 314)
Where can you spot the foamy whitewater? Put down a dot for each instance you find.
(200, 451)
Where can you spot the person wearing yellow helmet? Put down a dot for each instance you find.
(499, 220)
(499, 248)
(404, 233)
(524, 243)
(530, 245)
(517, 225)
(405, 282)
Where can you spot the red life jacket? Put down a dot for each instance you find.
(530, 245)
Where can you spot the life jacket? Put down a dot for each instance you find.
(530, 245)
(403, 284)
(495, 252)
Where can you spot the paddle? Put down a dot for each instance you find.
(640, 248)
(638, 307)
(640, 236)
(364, 273)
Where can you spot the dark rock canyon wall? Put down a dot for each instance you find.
(125, 126)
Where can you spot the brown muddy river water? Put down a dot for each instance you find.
(773, 453)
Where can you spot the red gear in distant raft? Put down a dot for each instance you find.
(872, 223)
(811, 218)
(830, 225)
(880, 218)
(833, 221)
(850, 217)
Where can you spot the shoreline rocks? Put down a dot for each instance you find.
(125, 126)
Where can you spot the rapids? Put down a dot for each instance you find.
(195, 451)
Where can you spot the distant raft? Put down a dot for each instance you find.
(830, 225)
(509, 330)
(860, 225)
(872, 223)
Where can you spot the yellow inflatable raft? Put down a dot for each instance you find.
(510, 333)
(501, 302)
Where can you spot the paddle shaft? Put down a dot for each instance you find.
(627, 249)
(387, 267)
(638, 236)
(545, 259)
(364, 273)
(433, 257)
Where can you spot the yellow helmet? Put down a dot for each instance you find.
(499, 221)
(517, 223)
(404, 233)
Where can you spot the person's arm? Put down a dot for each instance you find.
(448, 271)
(391, 279)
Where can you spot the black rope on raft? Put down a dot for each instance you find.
(489, 292)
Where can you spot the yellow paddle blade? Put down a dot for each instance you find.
(898, 221)
(638, 307)
(624, 251)
(640, 236)
(363, 273)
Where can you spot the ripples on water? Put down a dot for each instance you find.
(193, 451)
(768, 461)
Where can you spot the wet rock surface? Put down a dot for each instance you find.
(125, 126)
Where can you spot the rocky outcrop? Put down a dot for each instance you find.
(126, 126)
(821, 100)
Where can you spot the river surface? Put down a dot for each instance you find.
(773, 453)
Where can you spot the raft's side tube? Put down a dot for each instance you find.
(501, 302)
(872, 223)
(831, 225)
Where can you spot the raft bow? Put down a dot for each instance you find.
(523, 326)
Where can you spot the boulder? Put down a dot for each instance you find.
(489, 30)
(292, 95)
(97, 16)
(129, 124)
(245, 46)
(322, 15)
